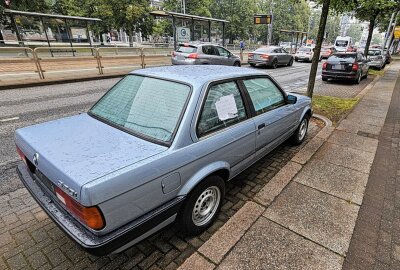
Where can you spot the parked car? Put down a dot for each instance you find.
(327, 51)
(304, 54)
(377, 57)
(345, 66)
(204, 54)
(272, 56)
(159, 146)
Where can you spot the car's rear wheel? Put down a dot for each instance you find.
(290, 62)
(236, 64)
(300, 134)
(274, 64)
(202, 206)
(358, 79)
(324, 79)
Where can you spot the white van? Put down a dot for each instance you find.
(343, 44)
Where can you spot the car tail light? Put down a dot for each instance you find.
(193, 56)
(250, 55)
(173, 53)
(324, 65)
(354, 67)
(90, 216)
(21, 155)
(265, 56)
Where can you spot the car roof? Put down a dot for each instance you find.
(197, 75)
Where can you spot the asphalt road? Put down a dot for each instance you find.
(29, 106)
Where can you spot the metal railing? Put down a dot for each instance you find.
(24, 55)
(87, 59)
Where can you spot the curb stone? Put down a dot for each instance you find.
(216, 248)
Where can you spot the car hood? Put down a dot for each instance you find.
(79, 149)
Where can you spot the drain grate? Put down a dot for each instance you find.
(368, 135)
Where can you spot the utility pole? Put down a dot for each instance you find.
(388, 31)
(184, 6)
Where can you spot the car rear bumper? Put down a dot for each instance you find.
(260, 62)
(376, 64)
(303, 58)
(186, 61)
(100, 245)
(339, 75)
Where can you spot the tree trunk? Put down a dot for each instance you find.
(317, 49)
(370, 31)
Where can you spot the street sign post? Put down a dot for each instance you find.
(183, 34)
(262, 19)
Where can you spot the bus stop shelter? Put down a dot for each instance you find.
(295, 33)
(26, 28)
(192, 19)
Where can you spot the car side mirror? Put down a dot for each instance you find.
(291, 99)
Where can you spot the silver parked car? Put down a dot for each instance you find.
(271, 56)
(377, 58)
(159, 146)
(204, 54)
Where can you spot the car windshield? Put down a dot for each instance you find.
(342, 57)
(341, 43)
(147, 107)
(264, 50)
(186, 49)
(374, 52)
(305, 50)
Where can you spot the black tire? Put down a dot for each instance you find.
(325, 79)
(236, 64)
(358, 79)
(366, 74)
(185, 216)
(297, 60)
(252, 65)
(290, 62)
(274, 64)
(298, 136)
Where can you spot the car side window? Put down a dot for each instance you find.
(283, 50)
(222, 52)
(223, 107)
(209, 50)
(264, 94)
(277, 51)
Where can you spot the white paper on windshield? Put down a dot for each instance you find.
(226, 107)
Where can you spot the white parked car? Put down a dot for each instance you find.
(305, 54)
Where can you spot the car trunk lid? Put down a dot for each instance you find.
(73, 151)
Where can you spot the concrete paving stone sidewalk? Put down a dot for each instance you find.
(312, 205)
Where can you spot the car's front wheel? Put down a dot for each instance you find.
(252, 65)
(202, 206)
(236, 64)
(300, 134)
(358, 79)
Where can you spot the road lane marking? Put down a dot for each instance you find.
(9, 119)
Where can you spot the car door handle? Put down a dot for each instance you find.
(261, 126)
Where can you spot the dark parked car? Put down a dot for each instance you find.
(204, 54)
(345, 66)
(272, 56)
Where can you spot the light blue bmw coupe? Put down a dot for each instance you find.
(159, 146)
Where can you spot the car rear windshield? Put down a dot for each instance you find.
(341, 43)
(264, 50)
(186, 49)
(147, 107)
(374, 52)
(342, 57)
(305, 50)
